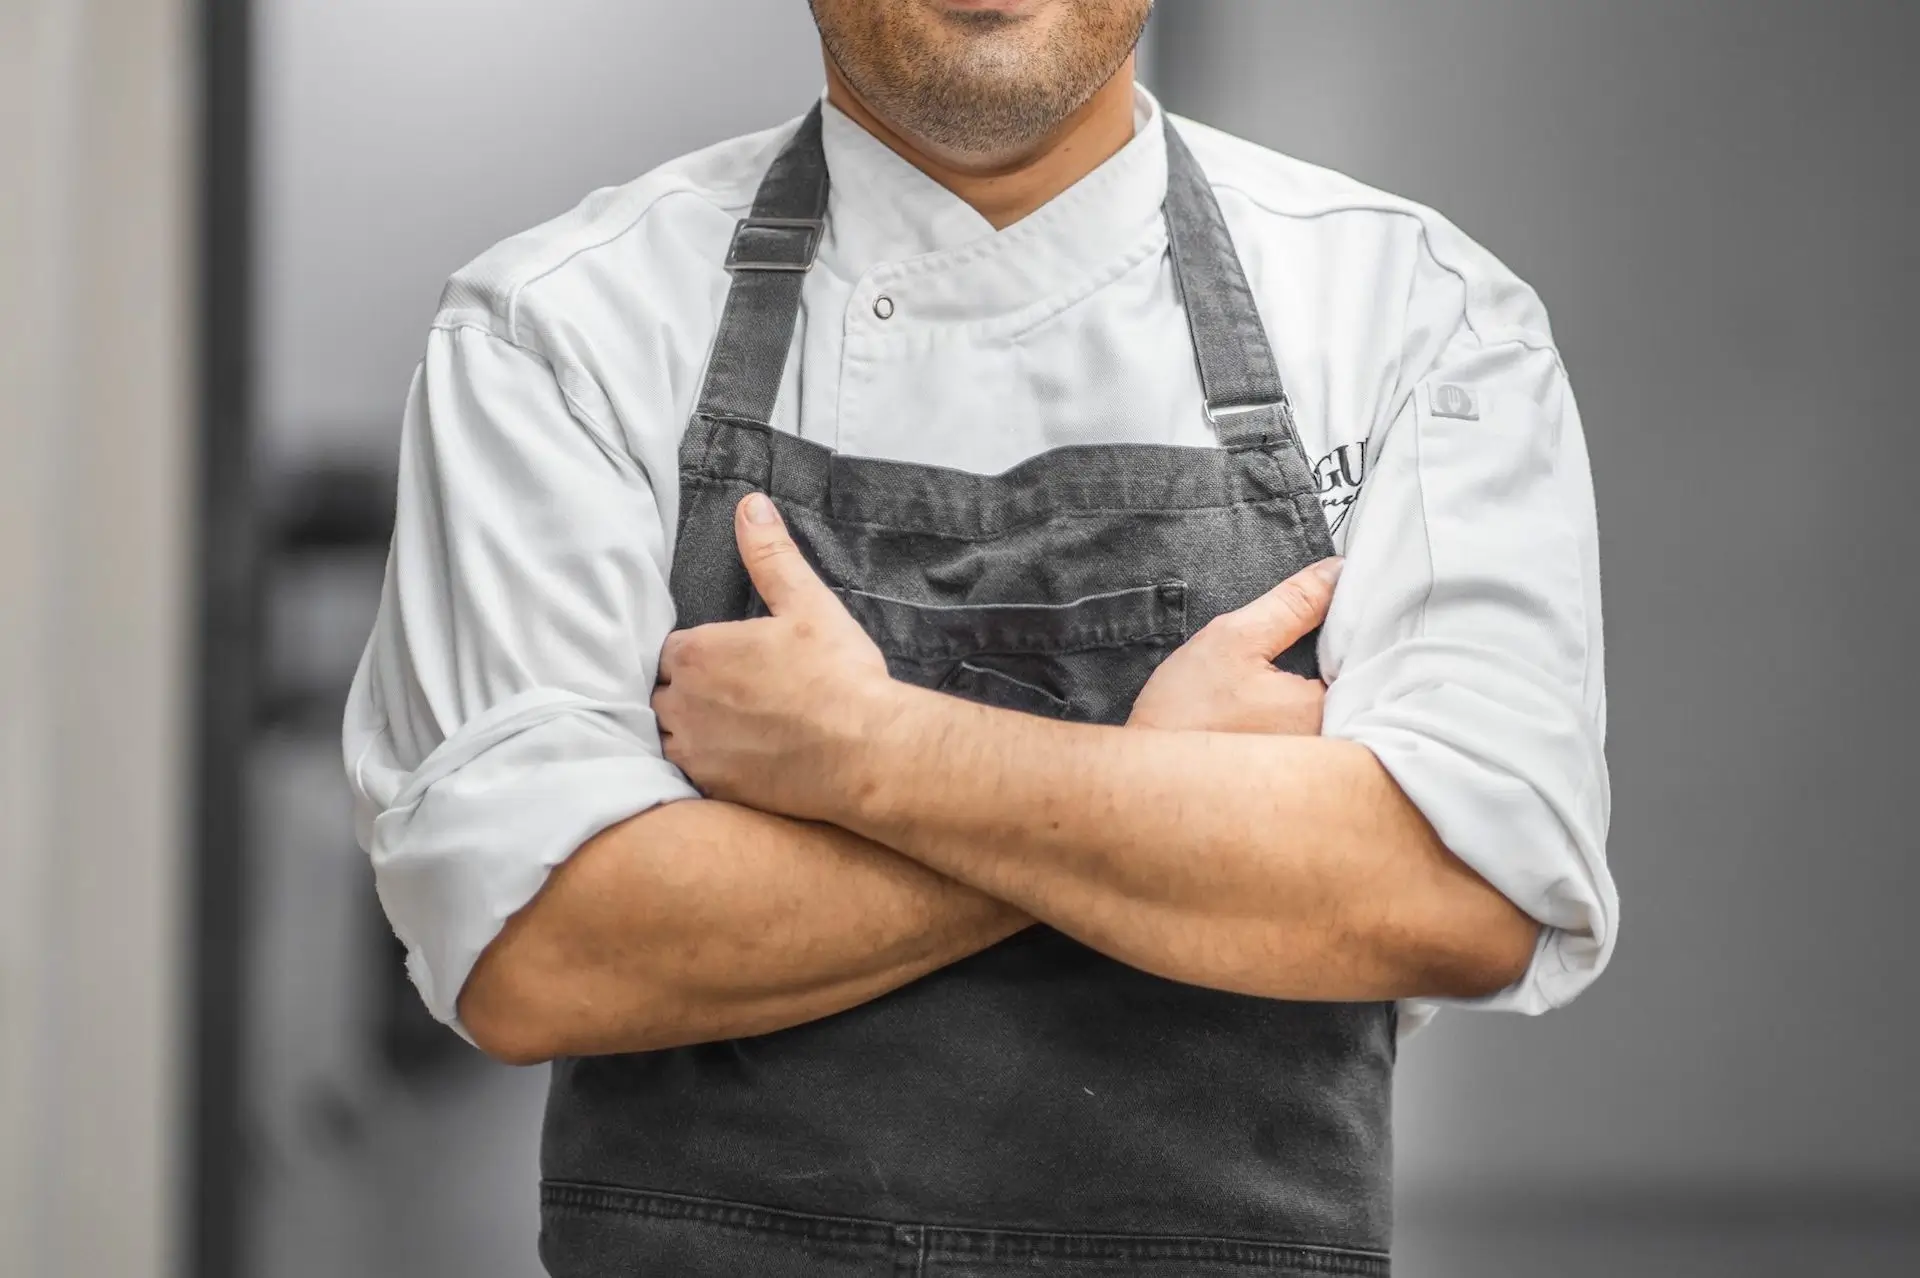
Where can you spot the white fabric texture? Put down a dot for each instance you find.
(499, 716)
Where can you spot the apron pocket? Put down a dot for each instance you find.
(994, 688)
(932, 632)
(1084, 660)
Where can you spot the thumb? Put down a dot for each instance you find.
(1288, 613)
(780, 573)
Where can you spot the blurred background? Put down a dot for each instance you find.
(223, 230)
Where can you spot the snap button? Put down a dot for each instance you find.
(883, 307)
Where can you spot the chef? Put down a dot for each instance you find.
(966, 666)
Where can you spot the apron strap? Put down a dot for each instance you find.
(1245, 401)
(774, 247)
(772, 250)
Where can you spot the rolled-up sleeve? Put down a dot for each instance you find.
(1464, 648)
(500, 715)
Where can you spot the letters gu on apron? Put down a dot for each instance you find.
(1037, 1108)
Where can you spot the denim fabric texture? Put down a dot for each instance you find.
(1037, 1108)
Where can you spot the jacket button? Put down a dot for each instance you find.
(883, 307)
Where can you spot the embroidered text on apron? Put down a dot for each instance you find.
(1037, 1108)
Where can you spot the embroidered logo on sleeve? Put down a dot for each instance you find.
(1449, 400)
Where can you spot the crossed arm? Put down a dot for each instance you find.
(860, 833)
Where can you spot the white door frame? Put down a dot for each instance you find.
(96, 452)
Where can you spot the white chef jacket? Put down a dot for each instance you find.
(499, 716)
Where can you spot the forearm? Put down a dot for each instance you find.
(700, 920)
(1287, 867)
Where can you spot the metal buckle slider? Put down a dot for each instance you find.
(775, 243)
(1283, 408)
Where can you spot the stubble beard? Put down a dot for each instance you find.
(985, 87)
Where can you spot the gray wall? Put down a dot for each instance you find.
(397, 141)
(1715, 199)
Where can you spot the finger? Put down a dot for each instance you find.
(1284, 615)
(785, 580)
(665, 706)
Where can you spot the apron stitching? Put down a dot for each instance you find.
(1063, 515)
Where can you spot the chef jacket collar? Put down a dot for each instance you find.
(892, 227)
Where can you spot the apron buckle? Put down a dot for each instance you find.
(775, 243)
(1224, 417)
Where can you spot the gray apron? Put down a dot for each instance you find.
(1038, 1108)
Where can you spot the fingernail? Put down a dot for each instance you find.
(1328, 570)
(760, 510)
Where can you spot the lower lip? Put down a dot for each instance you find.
(987, 6)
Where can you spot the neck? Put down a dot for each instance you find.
(1005, 188)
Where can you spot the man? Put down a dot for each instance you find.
(848, 688)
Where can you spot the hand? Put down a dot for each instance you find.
(761, 712)
(1224, 680)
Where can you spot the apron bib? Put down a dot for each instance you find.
(1037, 1108)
